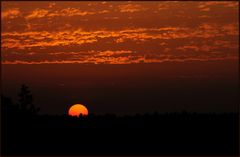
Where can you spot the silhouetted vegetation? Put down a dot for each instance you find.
(150, 134)
(26, 101)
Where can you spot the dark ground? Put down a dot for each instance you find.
(183, 133)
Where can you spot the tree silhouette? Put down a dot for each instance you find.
(8, 108)
(26, 101)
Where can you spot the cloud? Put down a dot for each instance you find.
(38, 13)
(122, 60)
(226, 44)
(67, 12)
(71, 12)
(131, 8)
(51, 5)
(112, 53)
(59, 32)
(11, 13)
(163, 6)
(221, 3)
(197, 48)
(188, 47)
(206, 6)
(231, 29)
(23, 40)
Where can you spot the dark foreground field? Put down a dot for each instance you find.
(154, 134)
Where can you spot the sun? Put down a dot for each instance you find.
(77, 110)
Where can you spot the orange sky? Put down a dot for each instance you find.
(118, 32)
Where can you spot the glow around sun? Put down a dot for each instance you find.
(77, 110)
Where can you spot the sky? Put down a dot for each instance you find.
(81, 50)
(118, 32)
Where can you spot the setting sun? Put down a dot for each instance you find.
(77, 110)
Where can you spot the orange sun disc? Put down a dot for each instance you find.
(77, 110)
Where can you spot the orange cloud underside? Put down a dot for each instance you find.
(118, 32)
